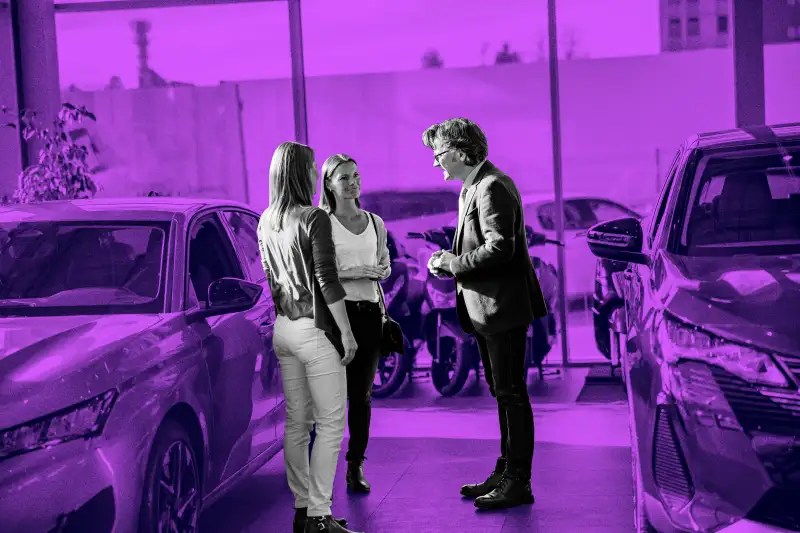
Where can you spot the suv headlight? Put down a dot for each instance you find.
(80, 421)
(680, 341)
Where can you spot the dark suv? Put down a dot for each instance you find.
(711, 341)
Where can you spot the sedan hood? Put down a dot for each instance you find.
(750, 299)
(49, 363)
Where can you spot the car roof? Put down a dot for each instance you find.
(747, 136)
(539, 198)
(134, 209)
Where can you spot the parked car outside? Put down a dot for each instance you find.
(580, 213)
(711, 344)
(137, 379)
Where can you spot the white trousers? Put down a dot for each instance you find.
(315, 387)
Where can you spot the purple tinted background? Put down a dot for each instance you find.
(227, 103)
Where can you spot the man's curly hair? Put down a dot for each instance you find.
(459, 134)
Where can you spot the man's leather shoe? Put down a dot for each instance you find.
(324, 524)
(509, 493)
(356, 481)
(300, 517)
(481, 489)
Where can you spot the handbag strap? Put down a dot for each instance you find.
(377, 284)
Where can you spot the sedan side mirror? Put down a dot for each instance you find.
(231, 295)
(618, 240)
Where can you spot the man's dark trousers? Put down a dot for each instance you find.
(503, 357)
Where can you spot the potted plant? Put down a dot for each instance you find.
(62, 171)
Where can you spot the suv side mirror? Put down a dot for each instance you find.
(231, 295)
(619, 240)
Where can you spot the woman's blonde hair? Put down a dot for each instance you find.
(289, 181)
(327, 200)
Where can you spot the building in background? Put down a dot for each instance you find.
(697, 24)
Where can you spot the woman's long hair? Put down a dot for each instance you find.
(327, 200)
(289, 181)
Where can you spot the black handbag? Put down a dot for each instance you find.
(391, 333)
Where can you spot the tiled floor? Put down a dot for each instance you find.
(424, 447)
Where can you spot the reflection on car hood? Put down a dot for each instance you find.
(751, 299)
(49, 363)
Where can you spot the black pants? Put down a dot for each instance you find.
(503, 357)
(366, 320)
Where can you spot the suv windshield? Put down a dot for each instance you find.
(85, 268)
(745, 202)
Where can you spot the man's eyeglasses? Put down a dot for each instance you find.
(440, 154)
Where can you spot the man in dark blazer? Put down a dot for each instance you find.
(497, 295)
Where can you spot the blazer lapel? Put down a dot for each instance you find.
(468, 200)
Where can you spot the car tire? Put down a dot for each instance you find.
(640, 521)
(172, 446)
(393, 377)
(601, 335)
(450, 373)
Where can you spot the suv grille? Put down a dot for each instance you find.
(670, 469)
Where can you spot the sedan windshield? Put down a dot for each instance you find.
(67, 268)
(745, 202)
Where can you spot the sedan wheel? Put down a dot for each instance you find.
(172, 491)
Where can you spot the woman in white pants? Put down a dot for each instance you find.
(313, 339)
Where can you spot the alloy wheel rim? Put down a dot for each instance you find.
(177, 490)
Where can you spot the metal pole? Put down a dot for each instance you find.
(658, 172)
(298, 72)
(555, 121)
(36, 57)
(243, 148)
(748, 62)
(11, 143)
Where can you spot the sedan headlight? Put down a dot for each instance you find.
(80, 421)
(680, 341)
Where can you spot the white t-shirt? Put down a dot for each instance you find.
(353, 250)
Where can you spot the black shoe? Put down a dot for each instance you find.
(324, 524)
(482, 489)
(300, 517)
(356, 482)
(509, 493)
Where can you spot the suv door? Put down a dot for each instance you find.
(268, 414)
(230, 344)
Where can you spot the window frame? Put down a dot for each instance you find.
(199, 219)
(242, 256)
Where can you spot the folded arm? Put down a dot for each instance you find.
(384, 267)
(497, 211)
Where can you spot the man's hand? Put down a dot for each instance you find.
(443, 261)
(432, 262)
